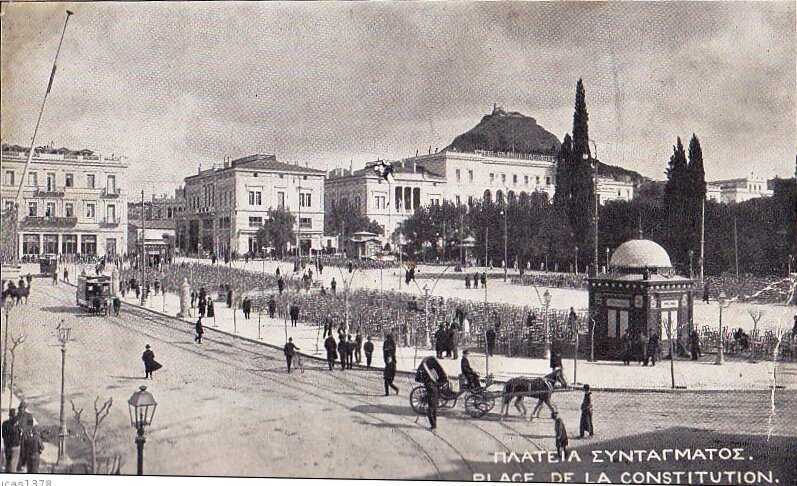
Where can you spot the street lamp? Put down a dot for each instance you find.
(595, 190)
(64, 332)
(142, 408)
(607, 259)
(724, 304)
(7, 307)
(506, 259)
(576, 262)
(546, 298)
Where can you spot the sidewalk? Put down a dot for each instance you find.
(700, 375)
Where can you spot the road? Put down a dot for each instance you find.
(228, 407)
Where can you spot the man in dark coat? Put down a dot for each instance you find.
(642, 348)
(150, 365)
(468, 372)
(200, 330)
(390, 375)
(33, 449)
(349, 352)
(440, 341)
(561, 435)
(210, 311)
(484, 279)
(280, 284)
(586, 413)
(247, 307)
(12, 440)
(342, 350)
(202, 307)
(369, 351)
(626, 342)
(294, 312)
(289, 350)
(358, 347)
(490, 337)
(332, 352)
(652, 350)
(389, 347)
(476, 280)
(272, 307)
(694, 345)
(432, 400)
(229, 297)
(333, 285)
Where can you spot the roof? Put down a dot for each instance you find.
(640, 254)
(398, 168)
(270, 163)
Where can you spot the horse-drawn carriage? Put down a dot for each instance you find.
(93, 292)
(478, 400)
(48, 264)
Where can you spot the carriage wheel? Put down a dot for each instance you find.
(478, 404)
(418, 400)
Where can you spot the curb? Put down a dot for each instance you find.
(571, 387)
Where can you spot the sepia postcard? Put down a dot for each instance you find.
(543, 242)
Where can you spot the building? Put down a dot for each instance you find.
(162, 213)
(389, 204)
(610, 189)
(743, 189)
(471, 176)
(72, 202)
(642, 294)
(225, 206)
(713, 192)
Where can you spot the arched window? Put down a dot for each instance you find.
(488, 197)
(511, 196)
(499, 196)
(524, 198)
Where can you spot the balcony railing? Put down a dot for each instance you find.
(58, 222)
(109, 223)
(110, 195)
(53, 192)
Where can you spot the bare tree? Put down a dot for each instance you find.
(15, 341)
(99, 415)
(756, 314)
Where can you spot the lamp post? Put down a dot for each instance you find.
(142, 408)
(64, 332)
(595, 190)
(506, 259)
(576, 261)
(7, 308)
(546, 298)
(607, 259)
(724, 304)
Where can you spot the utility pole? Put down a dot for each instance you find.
(735, 243)
(506, 261)
(702, 237)
(299, 228)
(461, 236)
(595, 150)
(143, 248)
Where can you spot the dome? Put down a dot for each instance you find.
(640, 254)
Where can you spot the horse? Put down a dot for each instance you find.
(540, 387)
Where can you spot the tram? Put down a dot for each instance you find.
(93, 292)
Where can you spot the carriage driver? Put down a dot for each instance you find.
(467, 371)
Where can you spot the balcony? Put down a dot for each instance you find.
(48, 222)
(110, 195)
(109, 223)
(53, 192)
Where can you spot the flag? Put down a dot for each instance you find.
(384, 170)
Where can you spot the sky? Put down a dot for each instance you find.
(172, 86)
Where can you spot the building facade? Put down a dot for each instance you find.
(72, 202)
(225, 206)
(743, 189)
(389, 204)
(162, 213)
(613, 190)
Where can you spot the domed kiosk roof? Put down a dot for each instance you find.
(640, 254)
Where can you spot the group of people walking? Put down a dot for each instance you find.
(22, 441)
(476, 279)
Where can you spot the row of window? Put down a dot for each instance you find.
(89, 210)
(515, 178)
(33, 244)
(257, 221)
(51, 179)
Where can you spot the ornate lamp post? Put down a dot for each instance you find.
(142, 408)
(724, 304)
(7, 305)
(64, 332)
(546, 299)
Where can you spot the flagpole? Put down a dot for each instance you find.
(41, 111)
(702, 237)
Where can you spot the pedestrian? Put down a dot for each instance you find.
(33, 449)
(439, 341)
(150, 365)
(12, 439)
(66, 275)
(193, 299)
(332, 353)
(642, 348)
(211, 313)
(247, 307)
(652, 350)
(390, 375)
(432, 399)
(556, 358)
(467, 281)
(349, 352)
(342, 350)
(561, 435)
(626, 342)
(278, 271)
(272, 307)
(490, 338)
(280, 283)
(794, 329)
(484, 279)
(358, 347)
(453, 338)
(55, 277)
(586, 413)
(157, 286)
(200, 330)
(389, 347)
(369, 351)
(117, 306)
(694, 347)
(202, 305)
(334, 286)
(229, 297)
(25, 423)
(290, 350)
(476, 280)
(294, 311)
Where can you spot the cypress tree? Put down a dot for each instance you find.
(582, 202)
(675, 203)
(561, 197)
(696, 192)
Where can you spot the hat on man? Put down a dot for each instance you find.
(465, 352)
(147, 346)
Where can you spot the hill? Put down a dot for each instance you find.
(502, 131)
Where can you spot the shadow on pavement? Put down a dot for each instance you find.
(385, 409)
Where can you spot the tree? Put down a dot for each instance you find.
(277, 230)
(695, 193)
(99, 415)
(345, 218)
(561, 197)
(15, 342)
(582, 193)
(756, 314)
(676, 203)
